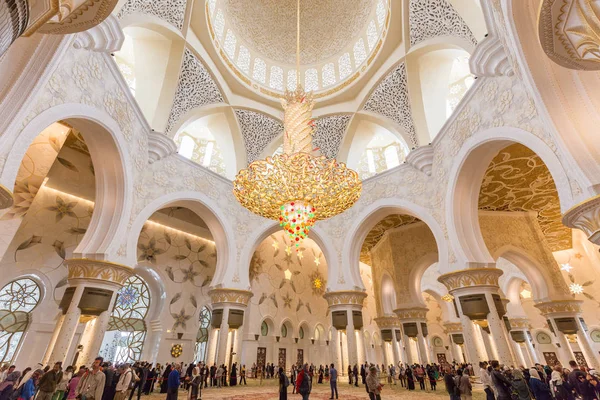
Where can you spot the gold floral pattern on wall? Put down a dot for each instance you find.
(283, 279)
(188, 261)
(518, 180)
(377, 232)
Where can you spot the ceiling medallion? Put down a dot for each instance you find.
(298, 187)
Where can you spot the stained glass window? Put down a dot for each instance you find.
(380, 11)
(276, 78)
(284, 330)
(229, 45)
(264, 328)
(311, 80)
(219, 24)
(243, 60)
(260, 70)
(360, 54)
(371, 35)
(301, 333)
(202, 336)
(17, 300)
(126, 332)
(291, 79)
(344, 66)
(328, 75)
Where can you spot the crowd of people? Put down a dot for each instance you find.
(104, 381)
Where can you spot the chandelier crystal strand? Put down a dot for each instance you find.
(297, 188)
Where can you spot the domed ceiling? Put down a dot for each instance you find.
(269, 27)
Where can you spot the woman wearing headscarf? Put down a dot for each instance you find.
(410, 378)
(165, 379)
(519, 386)
(8, 386)
(284, 382)
(540, 390)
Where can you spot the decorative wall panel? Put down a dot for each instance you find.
(433, 18)
(258, 131)
(196, 88)
(171, 11)
(390, 99)
(329, 132)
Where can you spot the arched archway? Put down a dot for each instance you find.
(465, 181)
(112, 169)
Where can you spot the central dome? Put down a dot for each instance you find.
(327, 27)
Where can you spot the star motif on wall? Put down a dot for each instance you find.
(287, 300)
(566, 267)
(275, 245)
(288, 274)
(288, 250)
(317, 261)
(300, 255)
(578, 256)
(180, 319)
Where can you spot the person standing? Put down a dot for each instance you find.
(8, 386)
(73, 383)
(29, 384)
(165, 378)
(350, 374)
(574, 377)
(243, 374)
(138, 379)
(49, 381)
(486, 381)
(195, 386)
(333, 375)
(451, 386)
(519, 385)
(464, 385)
(173, 382)
(303, 382)
(124, 383)
(91, 386)
(540, 390)
(500, 382)
(284, 382)
(373, 385)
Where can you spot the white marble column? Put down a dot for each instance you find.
(385, 353)
(213, 335)
(67, 329)
(351, 338)
(533, 354)
(473, 352)
(486, 339)
(422, 345)
(586, 345)
(223, 338)
(497, 328)
(395, 348)
(453, 351)
(93, 337)
(335, 348)
(521, 361)
(59, 322)
(565, 353)
(410, 359)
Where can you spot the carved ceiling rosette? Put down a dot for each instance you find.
(569, 32)
(230, 296)
(6, 198)
(346, 297)
(96, 270)
(453, 327)
(411, 313)
(388, 322)
(471, 277)
(586, 216)
(559, 306)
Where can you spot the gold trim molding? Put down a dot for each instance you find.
(345, 297)
(519, 323)
(585, 216)
(388, 322)
(471, 277)
(453, 327)
(230, 296)
(411, 313)
(105, 271)
(559, 306)
(6, 197)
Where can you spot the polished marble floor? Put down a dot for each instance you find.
(268, 391)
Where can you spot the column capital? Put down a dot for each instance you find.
(470, 278)
(6, 197)
(551, 308)
(413, 313)
(520, 324)
(82, 270)
(353, 298)
(388, 322)
(453, 327)
(224, 296)
(585, 216)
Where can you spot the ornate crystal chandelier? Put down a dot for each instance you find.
(299, 187)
